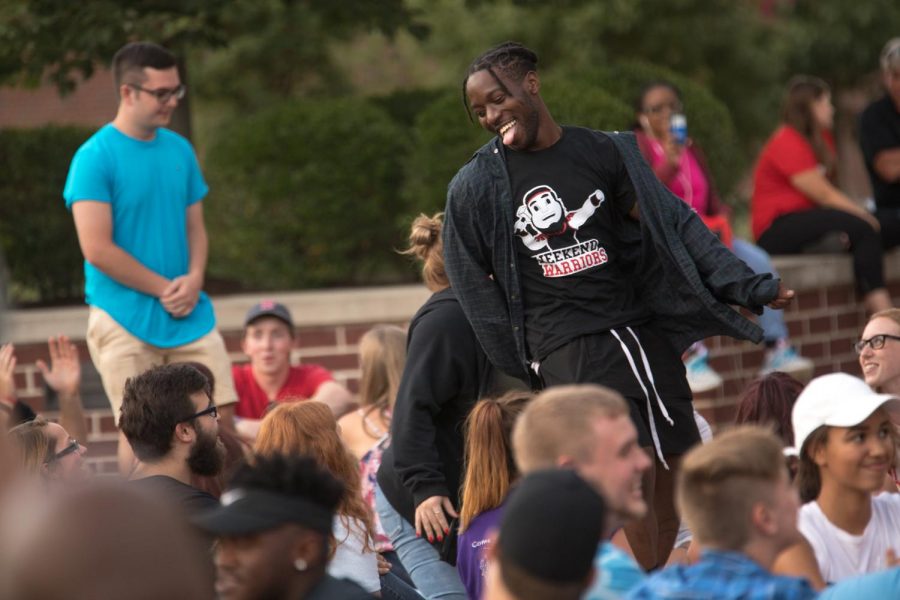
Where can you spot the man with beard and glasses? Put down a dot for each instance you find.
(172, 424)
(574, 264)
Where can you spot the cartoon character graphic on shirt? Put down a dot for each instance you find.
(542, 222)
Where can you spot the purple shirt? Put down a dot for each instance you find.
(470, 547)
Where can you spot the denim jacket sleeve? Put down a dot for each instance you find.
(688, 278)
(473, 245)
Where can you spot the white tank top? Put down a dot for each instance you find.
(841, 555)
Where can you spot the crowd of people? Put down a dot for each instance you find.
(530, 435)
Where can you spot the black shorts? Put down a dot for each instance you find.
(600, 358)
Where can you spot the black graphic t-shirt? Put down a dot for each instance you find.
(570, 200)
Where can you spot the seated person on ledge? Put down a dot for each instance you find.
(270, 377)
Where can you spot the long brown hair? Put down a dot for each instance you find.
(426, 245)
(768, 400)
(382, 356)
(490, 466)
(797, 112)
(809, 479)
(32, 444)
(309, 428)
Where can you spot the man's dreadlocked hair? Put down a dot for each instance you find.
(512, 58)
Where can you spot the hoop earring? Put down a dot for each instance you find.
(300, 565)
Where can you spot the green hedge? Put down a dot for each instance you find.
(307, 194)
(709, 120)
(37, 235)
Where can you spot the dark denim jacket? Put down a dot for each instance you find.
(681, 271)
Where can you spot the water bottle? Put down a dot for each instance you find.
(678, 128)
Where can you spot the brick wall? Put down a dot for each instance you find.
(93, 102)
(824, 321)
(329, 326)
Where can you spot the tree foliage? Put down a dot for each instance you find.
(37, 235)
(65, 41)
(307, 194)
(839, 40)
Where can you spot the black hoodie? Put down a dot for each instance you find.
(445, 371)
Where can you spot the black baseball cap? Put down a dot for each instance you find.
(553, 522)
(269, 308)
(245, 511)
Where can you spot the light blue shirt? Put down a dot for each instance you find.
(881, 584)
(617, 572)
(149, 186)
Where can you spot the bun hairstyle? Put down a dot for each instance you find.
(425, 245)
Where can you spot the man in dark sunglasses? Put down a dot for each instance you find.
(136, 194)
(172, 425)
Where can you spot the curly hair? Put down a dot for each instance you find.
(154, 402)
(297, 476)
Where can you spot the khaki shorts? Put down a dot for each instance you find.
(118, 355)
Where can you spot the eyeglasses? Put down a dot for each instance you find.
(211, 410)
(876, 342)
(658, 108)
(163, 95)
(73, 447)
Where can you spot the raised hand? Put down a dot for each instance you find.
(64, 373)
(7, 369)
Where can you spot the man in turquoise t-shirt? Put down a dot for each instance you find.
(135, 191)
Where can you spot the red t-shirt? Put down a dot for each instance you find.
(785, 154)
(301, 384)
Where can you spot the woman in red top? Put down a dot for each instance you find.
(795, 201)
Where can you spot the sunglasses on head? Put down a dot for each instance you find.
(70, 449)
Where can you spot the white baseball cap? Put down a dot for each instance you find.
(839, 400)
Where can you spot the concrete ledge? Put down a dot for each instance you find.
(814, 271)
(313, 308)
(392, 303)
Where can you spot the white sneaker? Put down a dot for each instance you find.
(701, 377)
(784, 358)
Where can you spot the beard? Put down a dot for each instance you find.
(207, 455)
(532, 124)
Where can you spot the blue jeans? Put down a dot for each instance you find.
(433, 577)
(771, 321)
(394, 588)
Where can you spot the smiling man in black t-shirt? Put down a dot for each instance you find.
(561, 268)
